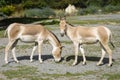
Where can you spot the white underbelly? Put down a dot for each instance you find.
(88, 40)
(28, 38)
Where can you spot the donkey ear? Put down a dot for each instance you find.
(62, 47)
(60, 18)
(64, 17)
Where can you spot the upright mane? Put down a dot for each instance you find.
(55, 37)
(70, 24)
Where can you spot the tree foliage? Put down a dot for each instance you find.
(59, 3)
(21, 5)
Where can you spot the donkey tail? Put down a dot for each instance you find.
(5, 33)
(110, 39)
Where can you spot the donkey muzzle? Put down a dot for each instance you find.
(58, 60)
(62, 34)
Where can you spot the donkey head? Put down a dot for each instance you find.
(62, 26)
(57, 54)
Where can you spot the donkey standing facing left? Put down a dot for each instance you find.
(31, 33)
(87, 35)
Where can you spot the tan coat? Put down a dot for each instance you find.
(87, 35)
(31, 33)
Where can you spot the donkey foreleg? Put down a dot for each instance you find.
(31, 56)
(40, 50)
(76, 45)
(83, 54)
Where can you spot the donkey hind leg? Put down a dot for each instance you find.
(40, 50)
(7, 48)
(13, 51)
(101, 59)
(76, 45)
(34, 48)
(83, 54)
(109, 51)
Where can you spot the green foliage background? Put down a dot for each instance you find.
(9, 7)
(58, 3)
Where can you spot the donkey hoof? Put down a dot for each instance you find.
(31, 60)
(74, 64)
(6, 62)
(84, 63)
(17, 61)
(110, 65)
(41, 62)
(99, 64)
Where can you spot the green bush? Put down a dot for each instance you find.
(110, 8)
(92, 10)
(34, 4)
(82, 12)
(8, 10)
(59, 13)
(41, 13)
(2, 3)
(88, 10)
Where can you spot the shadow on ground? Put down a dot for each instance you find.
(88, 58)
(67, 59)
(44, 57)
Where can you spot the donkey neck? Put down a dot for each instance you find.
(70, 30)
(53, 40)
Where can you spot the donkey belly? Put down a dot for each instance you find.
(28, 38)
(89, 40)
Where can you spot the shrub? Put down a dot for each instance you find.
(34, 4)
(82, 12)
(110, 8)
(41, 13)
(59, 13)
(89, 10)
(8, 10)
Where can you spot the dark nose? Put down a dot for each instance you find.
(62, 34)
(59, 61)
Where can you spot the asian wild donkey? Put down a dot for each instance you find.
(87, 35)
(31, 33)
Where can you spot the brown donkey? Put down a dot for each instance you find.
(87, 35)
(31, 33)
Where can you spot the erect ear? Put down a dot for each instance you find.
(62, 47)
(62, 18)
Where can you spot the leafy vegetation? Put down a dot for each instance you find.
(85, 6)
(8, 10)
(41, 13)
(2, 33)
(111, 8)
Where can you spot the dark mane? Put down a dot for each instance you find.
(55, 36)
(70, 24)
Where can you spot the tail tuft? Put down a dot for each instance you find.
(111, 41)
(112, 44)
(5, 33)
